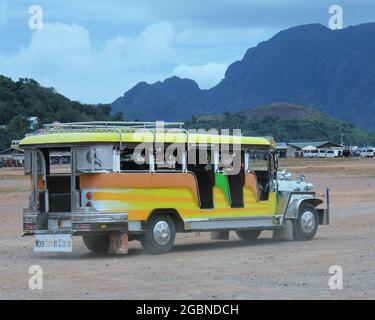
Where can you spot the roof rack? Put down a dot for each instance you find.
(122, 125)
(114, 126)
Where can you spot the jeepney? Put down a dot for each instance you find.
(110, 194)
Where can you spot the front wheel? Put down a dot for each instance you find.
(306, 224)
(160, 236)
(97, 244)
(248, 235)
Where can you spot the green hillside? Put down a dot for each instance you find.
(287, 122)
(26, 98)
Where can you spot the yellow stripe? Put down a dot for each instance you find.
(108, 196)
(96, 137)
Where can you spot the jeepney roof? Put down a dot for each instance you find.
(70, 134)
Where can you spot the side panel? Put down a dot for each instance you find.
(140, 193)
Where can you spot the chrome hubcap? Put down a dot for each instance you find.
(307, 221)
(161, 233)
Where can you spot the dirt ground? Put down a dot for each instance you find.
(199, 268)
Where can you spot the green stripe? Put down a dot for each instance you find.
(221, 182)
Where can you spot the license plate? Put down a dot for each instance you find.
(53, 243)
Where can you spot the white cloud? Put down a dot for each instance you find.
(151, 49)
(206, 75)
(62, 56)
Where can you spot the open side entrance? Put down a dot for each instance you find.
(206, 182)
(236, 184)
(56, 180)
(51, 173)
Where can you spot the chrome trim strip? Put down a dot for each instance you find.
(231, 218)
(272, 222)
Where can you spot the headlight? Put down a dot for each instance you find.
(309, 186)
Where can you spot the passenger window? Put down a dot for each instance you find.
(259, 160)
(131, 162)
(168, 159)
(232, 163)
(59, 162)
(260, 164)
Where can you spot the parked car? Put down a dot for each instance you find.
(330, 154)
(322, 153)
(346, 153)
(369, 153)
(363, 153)
(311, 153)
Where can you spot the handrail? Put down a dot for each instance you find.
(112, 124)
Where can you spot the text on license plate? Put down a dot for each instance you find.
(53, 243)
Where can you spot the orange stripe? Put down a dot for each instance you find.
(139, 180)
(133, 197)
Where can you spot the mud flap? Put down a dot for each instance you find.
(118, 243)
(323, 215)
(286, 233)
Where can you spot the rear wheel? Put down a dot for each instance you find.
(97, 244)
(248, 235)
(306, 224)
(160, 236)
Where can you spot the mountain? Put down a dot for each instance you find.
(26, 98)
(311, 65)
(156, 101)
(286, 122)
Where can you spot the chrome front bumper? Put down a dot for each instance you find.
(75, 223)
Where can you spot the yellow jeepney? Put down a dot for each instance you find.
(115, 187)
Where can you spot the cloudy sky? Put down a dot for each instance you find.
(93, 51)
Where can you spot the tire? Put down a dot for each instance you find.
(306, 224)
(248, 235)
(97, 244)
(160, 235)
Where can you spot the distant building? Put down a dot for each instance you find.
(318, 144)
(295, 149)
(11, 158)
(14, 157)
(284, 150)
